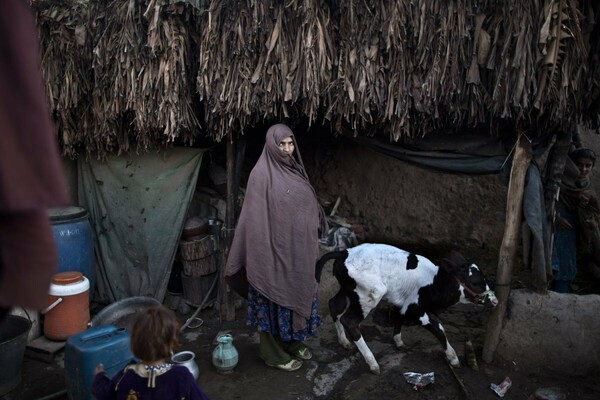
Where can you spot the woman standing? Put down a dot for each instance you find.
(274, 251)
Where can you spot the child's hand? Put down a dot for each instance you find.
(99, 369)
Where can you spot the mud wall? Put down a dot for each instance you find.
(409, 206)
(558, 332)
(405, 205)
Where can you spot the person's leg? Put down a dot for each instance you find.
(274, 356)
(270, 351)
(560, 286)
(295, 348)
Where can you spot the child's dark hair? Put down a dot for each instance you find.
(154, 332)
(583, 152)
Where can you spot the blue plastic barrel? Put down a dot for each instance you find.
(73, 238)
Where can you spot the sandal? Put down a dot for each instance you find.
(303, 354)
(293, 365)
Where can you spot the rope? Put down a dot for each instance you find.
(190, 319)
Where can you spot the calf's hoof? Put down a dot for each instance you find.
(375, 369)
(346, 345)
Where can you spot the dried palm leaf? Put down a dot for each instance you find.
(66, 66)
(560, 59)
(120, 74)
(263, 60)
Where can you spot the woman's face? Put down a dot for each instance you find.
(585, 166)
(287, 145)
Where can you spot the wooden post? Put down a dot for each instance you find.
(236, 148)
(508, 249)
(227, 308)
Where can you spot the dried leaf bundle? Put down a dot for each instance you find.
(263, 60)
(141, 64)
(147, 69)
(66, 61)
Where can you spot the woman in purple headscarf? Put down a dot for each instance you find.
(274, 251)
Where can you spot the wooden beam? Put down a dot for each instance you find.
(510, 241)
(236, 148)
(226, 300)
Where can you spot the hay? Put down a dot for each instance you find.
(153, 72)
(66, 69)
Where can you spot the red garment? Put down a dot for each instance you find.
(276, 238)
(31, 177)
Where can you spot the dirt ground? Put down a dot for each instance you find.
(336, 373)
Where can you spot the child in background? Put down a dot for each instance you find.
(153, 338)
(577, 221)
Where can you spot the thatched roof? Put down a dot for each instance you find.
(127, 75)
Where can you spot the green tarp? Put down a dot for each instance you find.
(137, 207)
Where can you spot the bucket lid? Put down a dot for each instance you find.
(66, 213)
(67, 277)
(68, 283)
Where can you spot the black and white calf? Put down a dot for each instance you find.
(371, 272)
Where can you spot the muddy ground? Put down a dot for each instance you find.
(336, 373)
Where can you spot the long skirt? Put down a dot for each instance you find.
(276, 320)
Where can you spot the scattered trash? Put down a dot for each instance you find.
(419, 381)
(470, 356)
(502, 388)
(549, 393)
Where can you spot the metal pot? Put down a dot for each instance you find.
(120, 312)
(186, 358)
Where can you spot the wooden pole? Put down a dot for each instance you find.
(226, 300)
(236, 148)
(510, 241)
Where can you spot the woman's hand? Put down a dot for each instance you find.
(99, 369)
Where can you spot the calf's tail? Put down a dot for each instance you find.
(334, 255)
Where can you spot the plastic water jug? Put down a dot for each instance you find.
(225, 355)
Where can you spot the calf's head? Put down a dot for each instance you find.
(472, 280)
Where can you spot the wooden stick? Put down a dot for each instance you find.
(510, 241)
(460, 382)
(335, 207)
(226, 301)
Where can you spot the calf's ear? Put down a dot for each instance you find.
(453, 262)
(457, 258)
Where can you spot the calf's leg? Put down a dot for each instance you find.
(351, 320)
(398, 321)
(438, 331)
(337, 307)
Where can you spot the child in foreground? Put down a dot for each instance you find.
(153, 338)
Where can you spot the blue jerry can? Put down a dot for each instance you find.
(106, 344)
